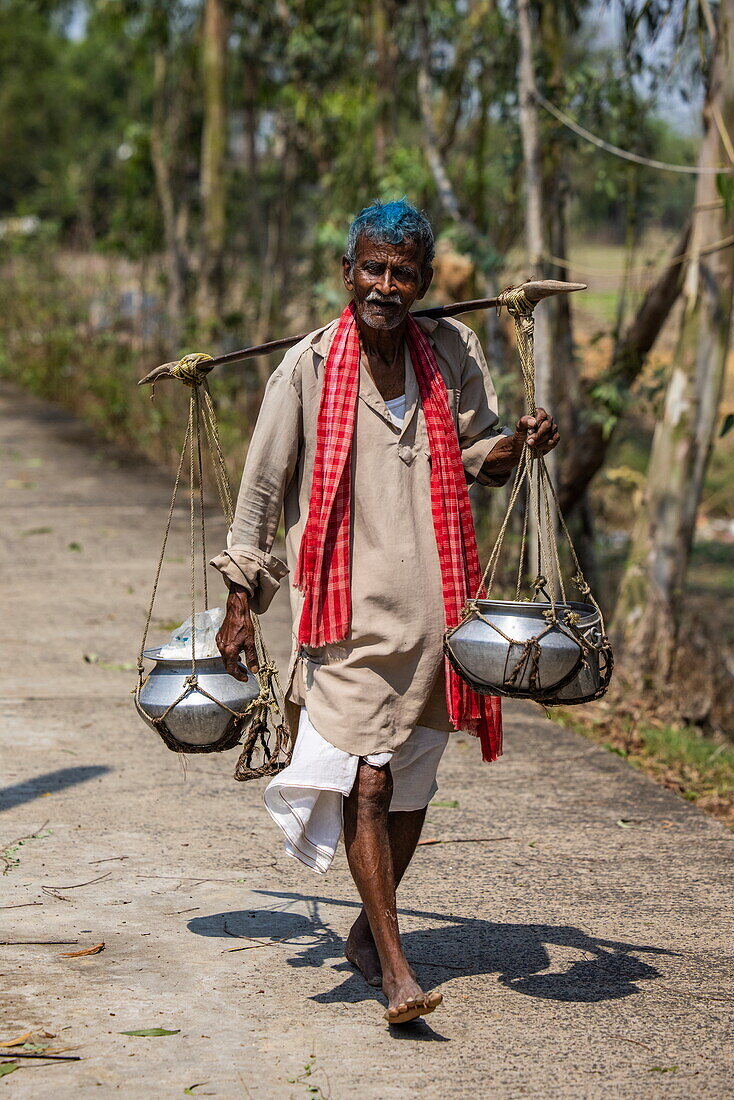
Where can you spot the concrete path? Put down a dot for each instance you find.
(573, 913)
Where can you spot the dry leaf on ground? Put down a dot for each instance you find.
(17, 1042)
(149, 1032)
(87, 951)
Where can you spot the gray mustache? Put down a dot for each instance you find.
(374, 296)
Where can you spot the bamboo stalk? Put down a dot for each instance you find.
(534, 290)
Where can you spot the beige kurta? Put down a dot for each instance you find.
(366, 694)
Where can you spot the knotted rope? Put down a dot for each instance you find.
(188, 371)
(263, 720)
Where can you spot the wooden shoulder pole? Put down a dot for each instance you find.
(535, 291)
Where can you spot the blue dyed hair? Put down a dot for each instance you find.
(392, 223)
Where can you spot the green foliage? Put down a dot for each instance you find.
(323, 115)
(32, 89)
(725, 187)
(607, 403)
(304, 89)
(695, 765)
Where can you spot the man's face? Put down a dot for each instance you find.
(385, 280)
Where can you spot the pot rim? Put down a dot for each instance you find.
(153, 654)
(533, 609)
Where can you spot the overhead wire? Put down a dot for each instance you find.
(625, 154)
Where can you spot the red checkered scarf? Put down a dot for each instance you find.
(323, 573)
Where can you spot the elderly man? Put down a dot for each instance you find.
(369, 432)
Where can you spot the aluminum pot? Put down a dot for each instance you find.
(487, 661)
(196, 720)
(593, 676)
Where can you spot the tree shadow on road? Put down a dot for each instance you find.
(592, 969)
(29, 789)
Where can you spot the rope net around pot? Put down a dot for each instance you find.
(514, 660)
(259, 724)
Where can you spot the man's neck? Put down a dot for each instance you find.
(381, 345)
(385, 362)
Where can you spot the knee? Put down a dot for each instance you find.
(373, 789)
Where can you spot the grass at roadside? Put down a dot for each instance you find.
(698, 767)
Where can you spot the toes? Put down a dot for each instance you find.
(412, 1007)
(365, 963)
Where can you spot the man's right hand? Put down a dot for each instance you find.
(237, 633)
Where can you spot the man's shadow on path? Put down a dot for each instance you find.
(517, 953)
(27, 790)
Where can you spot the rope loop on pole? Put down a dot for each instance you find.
(188, 369)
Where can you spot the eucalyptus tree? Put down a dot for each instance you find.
(621, 95)
(649, 610)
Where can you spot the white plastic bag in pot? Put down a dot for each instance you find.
(207, 624)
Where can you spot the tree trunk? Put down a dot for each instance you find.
(448, 199)
(446, 194)
(253, 160)
(161, 141)
(587, 449)
(213, 156)
(532, 159)
(536, 250)
(649, 608)
(384, 17)
(555, 33)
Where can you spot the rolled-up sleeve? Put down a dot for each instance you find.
(272, 458)
(478, 421)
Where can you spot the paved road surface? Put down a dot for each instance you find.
(573, 915)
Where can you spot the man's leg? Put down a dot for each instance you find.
(370, 859)
(404, 830)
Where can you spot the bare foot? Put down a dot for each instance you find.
(361, 952)
(406, 1000)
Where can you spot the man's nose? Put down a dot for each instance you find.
(384, 283)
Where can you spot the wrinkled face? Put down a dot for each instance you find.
(385, 280)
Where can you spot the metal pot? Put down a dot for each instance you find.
(492, 665)
(196, 721)
(595, 673)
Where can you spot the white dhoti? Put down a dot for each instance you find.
(306, 799)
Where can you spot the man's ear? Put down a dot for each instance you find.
(427, 280)
(347, 274)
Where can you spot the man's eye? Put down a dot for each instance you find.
(373, 269)
(405, 274)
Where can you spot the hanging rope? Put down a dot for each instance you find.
(262, 726)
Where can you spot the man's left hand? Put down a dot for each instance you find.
(539, 432)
